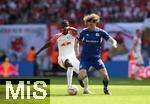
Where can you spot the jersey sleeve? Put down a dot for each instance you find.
(53, 40)
(105, 35)
(80, 37)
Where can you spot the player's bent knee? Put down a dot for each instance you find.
(81, 76)
(106, 77)
(67, 63)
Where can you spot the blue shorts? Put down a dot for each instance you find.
(97, 64)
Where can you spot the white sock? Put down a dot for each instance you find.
(69, 76)
(85, 81)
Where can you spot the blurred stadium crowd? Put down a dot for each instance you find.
(46, 11)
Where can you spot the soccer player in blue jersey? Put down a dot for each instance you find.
(90, 55)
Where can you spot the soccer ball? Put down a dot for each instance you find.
(73, 91)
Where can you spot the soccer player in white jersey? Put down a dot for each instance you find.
(137, 53)
(67, 51)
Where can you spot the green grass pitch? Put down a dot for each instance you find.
(124, 91)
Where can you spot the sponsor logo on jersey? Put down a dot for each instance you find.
(65, 43)
(92, 41)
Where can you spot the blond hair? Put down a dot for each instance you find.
(91, 17)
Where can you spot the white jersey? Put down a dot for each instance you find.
(65, 45)
(137, 52)
(66, 50)
(138, 43)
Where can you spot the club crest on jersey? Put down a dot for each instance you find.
(97, 34)
(65, 43)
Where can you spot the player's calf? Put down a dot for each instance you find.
(69, 67)
(80, 82)
(105, 76)
(84, 83)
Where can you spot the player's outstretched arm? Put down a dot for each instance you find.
(113, 41)
(71, 30)
(42, 48)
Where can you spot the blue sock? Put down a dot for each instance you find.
(105, 83)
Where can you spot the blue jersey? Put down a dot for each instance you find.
(91, 43)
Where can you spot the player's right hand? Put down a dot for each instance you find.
(115, 44)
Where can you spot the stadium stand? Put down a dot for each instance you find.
(45, 11)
